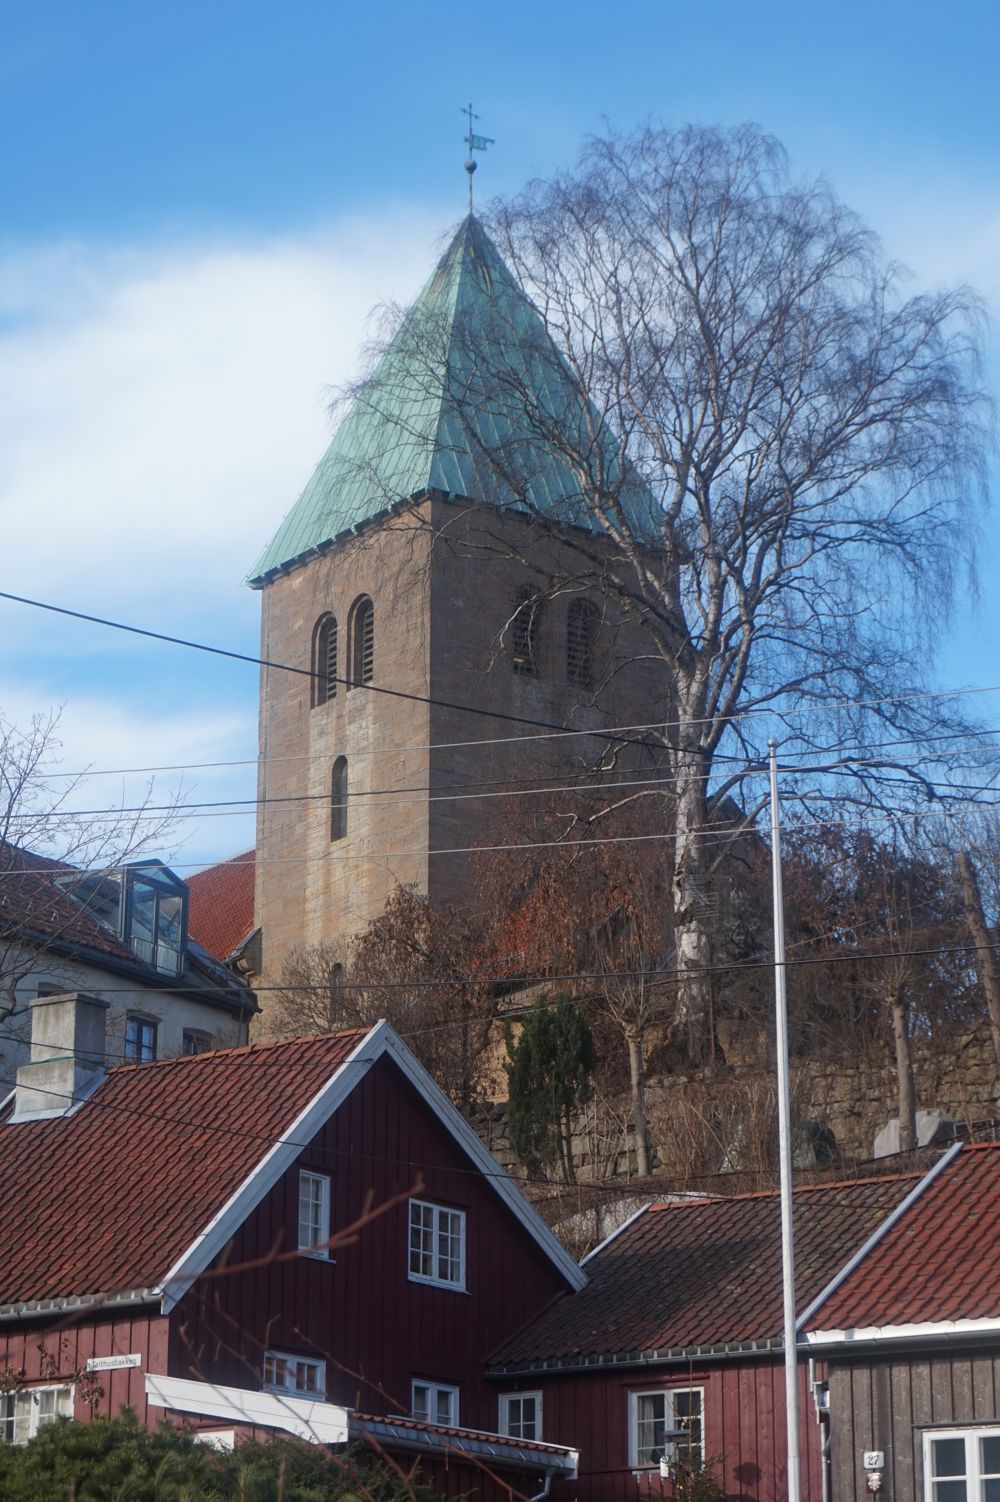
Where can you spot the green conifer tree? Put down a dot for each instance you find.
(548, 1080)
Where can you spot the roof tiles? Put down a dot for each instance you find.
(940, 1261)
(107, 1199)
(706, 1273)
(220, 908)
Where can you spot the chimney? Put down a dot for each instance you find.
(67, 1055)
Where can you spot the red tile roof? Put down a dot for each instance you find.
(940, 1261)
(705, 1273)
(108, 1199)
(35, 907)
(220, 910)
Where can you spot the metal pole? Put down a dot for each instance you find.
(784, 1146)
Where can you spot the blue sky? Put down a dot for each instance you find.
(203, 204)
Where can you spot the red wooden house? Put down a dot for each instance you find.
(305, 1237)
(679, 1331)
(911, 1340)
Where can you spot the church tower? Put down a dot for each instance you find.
(428, 584)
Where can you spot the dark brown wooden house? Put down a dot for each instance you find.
(303, 1237)
(679, 1331)
(911, 1340)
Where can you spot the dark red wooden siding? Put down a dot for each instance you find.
(744, 1428)
(376, 1330)
(71, 1341)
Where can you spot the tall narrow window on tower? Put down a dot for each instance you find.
(581, 637)
(362, 641)
(525, 629)
(324, 660)
(338, 799)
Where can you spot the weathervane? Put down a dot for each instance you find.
(474, 143)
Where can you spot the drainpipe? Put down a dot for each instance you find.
(821, 1401)
(540, 1496)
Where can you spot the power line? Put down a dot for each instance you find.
(491, 742)
(820, 707)
(660, 976)
(285, 667)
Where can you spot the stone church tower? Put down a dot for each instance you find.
(430, 573)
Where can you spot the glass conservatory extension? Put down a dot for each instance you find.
(153, 917)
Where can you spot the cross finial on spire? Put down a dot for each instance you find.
(474, 143)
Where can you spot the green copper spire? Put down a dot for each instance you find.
(466, 401)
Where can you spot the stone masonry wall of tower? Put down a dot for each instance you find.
(444, 578)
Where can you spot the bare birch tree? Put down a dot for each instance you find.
(779, 460)
(42, 836)
(733, 423)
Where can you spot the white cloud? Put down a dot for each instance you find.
(107, 734)
(159, 412)
(160, 409)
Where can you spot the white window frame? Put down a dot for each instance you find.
(668, 1394)
(417, 1252)
(508, 1425)
(25, 1417)
(434, 1390)
(974, 1476)
(289, 1382)
(314, 1245)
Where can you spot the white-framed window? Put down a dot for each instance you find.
(962, 1465)
(301, 1376)
(437, 1245)
(655, 1415)
(521, 1415)
(435, 1403)
(314, 1213)
(24, 1412)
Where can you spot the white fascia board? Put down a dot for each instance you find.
(616, 1232)
(277, 1160)
(880, 1230)
(321, 1423)
(925, 1330)
(381, 1041)
(497, 1177)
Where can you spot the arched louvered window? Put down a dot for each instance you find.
(338, 799)
(525, 630)
(324, 660)
(581, 640)
(362, 641)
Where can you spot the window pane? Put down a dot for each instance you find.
(651, 1416)
(421, 1397)
(950, 1491)
(948, 1457)
(990, 1488)
(8, 1404)
(989, 1455)
(443, 1411)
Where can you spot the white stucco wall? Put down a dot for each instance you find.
(173, 1014)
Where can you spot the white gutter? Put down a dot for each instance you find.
(925, 1330)
(877, 1235)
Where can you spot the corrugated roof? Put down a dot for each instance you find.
(940, 1261)
(108, 1198)
(220, 910)
(464, 402)
(703, 1274)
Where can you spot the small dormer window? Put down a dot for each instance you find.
(154, 916)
